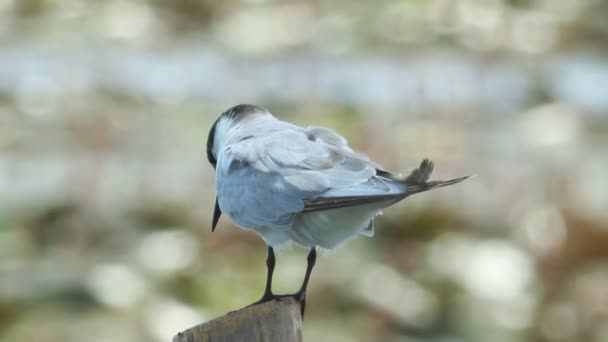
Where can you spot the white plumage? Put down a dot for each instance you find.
(305, 185)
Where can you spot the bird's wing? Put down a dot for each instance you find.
(265, 179)
(313, 159)
(270, 177)
(384, 188)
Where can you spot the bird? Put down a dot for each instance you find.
(302, 185)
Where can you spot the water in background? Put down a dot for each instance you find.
(106, 196)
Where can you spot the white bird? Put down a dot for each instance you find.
(304, 185)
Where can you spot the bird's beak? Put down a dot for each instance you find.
(217, 212)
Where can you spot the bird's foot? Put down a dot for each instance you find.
(299, 297)
(267, 297)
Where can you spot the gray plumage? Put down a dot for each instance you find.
(304, 185)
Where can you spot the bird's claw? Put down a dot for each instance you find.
(299, 297)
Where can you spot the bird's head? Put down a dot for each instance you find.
(225, 129)
(225, 125)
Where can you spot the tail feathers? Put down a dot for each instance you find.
(416, 188)
(416, 181)
(421, 174)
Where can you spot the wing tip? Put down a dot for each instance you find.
(417, 180)
(421, 187)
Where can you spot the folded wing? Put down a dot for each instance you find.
(266, 178)
(370, 192)
(269, 178)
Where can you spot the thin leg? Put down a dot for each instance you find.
(268, 295)
(270, 262)
(301, 294)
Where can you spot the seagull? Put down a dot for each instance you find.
(304, 185)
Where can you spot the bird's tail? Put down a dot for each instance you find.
(416, 181)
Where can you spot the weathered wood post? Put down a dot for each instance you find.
(276, 320)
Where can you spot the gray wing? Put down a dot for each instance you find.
(269, 178)
(313, 159)
(385, 187)
(265, 180)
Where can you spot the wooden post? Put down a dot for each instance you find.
(276, 320)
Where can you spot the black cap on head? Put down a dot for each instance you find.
(242, 110)
(210, 139)
(236, 113)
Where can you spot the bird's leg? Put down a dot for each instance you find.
(270, 262)
(301, 294)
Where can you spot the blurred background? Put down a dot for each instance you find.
(106, 195)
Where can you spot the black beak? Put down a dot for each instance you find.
(217, 212)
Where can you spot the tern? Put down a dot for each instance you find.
(305, 185)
